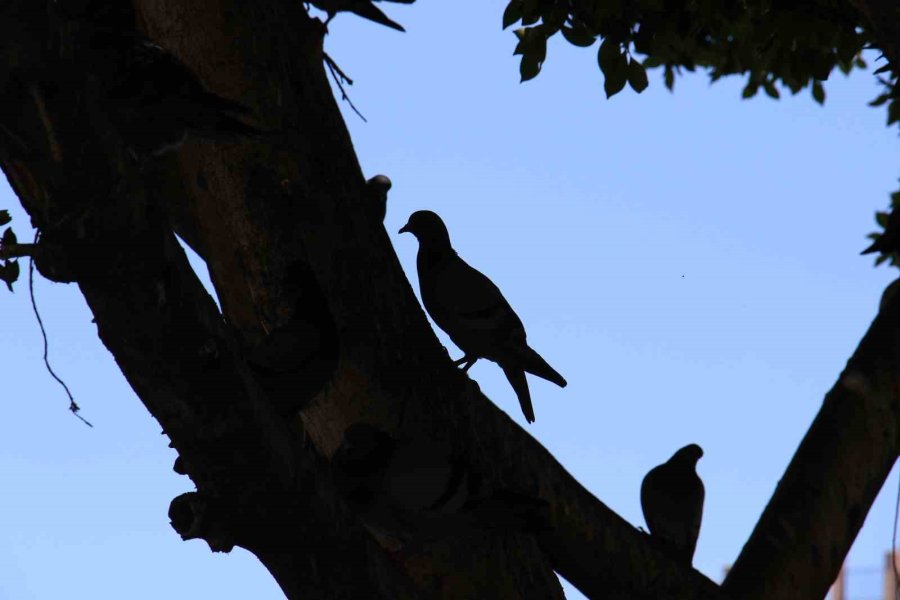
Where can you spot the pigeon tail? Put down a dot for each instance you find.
(516, 378)
(534, 364)
(367, 10)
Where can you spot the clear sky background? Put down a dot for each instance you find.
(688, 261)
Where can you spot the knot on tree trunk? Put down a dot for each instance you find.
(193, 515)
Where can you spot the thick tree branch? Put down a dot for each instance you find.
(283, 208)
(799, 543)
(291, 250)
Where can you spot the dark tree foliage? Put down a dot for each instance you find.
(789, 44)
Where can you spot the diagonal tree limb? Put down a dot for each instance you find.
(301, 207)
(799, 543)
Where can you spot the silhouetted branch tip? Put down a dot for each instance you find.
(339, 78)
(73, 407)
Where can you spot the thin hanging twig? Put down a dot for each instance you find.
(72, 405)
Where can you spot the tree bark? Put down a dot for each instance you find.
(800, 542)
(319, 322)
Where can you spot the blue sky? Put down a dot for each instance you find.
(688, 261)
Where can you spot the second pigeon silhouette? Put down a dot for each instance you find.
(672, 500)
(470, 308)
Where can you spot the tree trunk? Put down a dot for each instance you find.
(318, 320)
(800, 542)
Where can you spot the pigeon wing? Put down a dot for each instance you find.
(474, 302)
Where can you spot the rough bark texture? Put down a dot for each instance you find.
(319, 323)
(294, 259)
(799, 544)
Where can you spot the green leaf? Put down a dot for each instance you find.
(880, 100)
(533, 48)
(893, 112)
(637, 76)
(771, 90)
(750, 89)
(670, 77)
(818, 92)
(578, 36)
(4, 217)
(553, 17)
(882, 69)
(881, 218)
(614, 65)
(9, 238)
(9, 273)
(512, 13)
(529, 68)
(652, 62)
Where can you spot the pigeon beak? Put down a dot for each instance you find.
(405, 229)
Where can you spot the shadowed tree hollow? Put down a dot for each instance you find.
(114, 147)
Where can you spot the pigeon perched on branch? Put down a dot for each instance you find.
(363, 8)
(414, 490)
(672, 500)
(473, 312)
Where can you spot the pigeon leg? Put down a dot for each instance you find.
(467, 362)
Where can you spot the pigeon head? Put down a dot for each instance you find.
(687, 456)
(428, 228)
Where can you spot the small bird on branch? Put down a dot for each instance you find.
(470, 308)
(672, 500)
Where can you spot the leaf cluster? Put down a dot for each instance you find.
(887, 241)
(791, 44)
(9, 269)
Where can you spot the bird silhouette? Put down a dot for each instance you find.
(672, 500)
(363, 8)
(472, 311)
